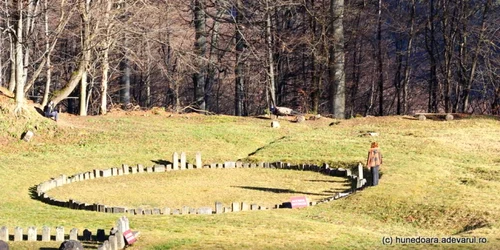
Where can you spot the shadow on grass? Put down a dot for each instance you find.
(277, 190)
(161, 162)
(259, 149)
(33, 193)
(330, 181)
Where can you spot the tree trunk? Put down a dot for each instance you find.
(431, 50)
(200, 51)
(125, 82)
(48, 62)
(19, 66)
(336, 61)
(380, 69)
(409, 48)
(470, 78)
(214, 56)
(315, 73)
(105, 58)
(270, 55)
(85, 15)
(239, 70)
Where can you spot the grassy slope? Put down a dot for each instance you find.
(439, 179)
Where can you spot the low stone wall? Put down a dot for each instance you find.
(179, 163)
(113, 241)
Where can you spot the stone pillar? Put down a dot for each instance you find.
(198, 160)
(126, 169)
(183, 161)
(360, 171)
(235, 206)
(245, 206)
(120, 241)
(113, 244)
(73, 234)
(59, 233)
(175, 161)
(218, 207)
(45, 233)
(31, 233)
(18, 234)
(106, 245)
(4, 234)
(166, 211)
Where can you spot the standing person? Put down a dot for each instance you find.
(374, 162)
(50, 111)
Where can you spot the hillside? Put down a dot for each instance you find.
(440, 178)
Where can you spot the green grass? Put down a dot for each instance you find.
(439, 179)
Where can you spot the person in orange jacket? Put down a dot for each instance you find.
(374, 162)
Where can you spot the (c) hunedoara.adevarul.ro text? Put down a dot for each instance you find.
(390, 240)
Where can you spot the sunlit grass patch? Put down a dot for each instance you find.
(203, 187)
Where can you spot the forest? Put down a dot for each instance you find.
(344, 58)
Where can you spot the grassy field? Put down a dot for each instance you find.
(440, 179)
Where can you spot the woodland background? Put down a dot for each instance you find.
(238, 57)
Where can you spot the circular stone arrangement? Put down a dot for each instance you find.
(357, 182)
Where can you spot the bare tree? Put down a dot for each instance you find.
(336, 63)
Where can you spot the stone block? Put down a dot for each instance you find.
(204, 210)
(198, 160)
(166, 211)
(140, 168)
(87, 235)
(73, 234)
(32, 233)
(4, 233)
(45, 233)
(218, 207)
(97, 173)
(275, 124)
(18, 234)
(28, 135)
(175, 161)
(106, 173)
(101, 235)
(235, 206)
(245, 206)
(60, 233)
(182, 165)
(133, 170)
(113, 244)
(185, 210)
(126, 169)
(159, 168)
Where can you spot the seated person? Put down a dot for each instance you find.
(50, 111)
